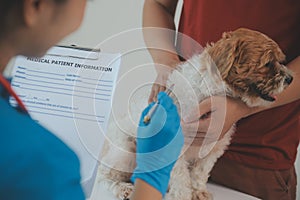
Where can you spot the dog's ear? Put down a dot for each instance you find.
(224, 53)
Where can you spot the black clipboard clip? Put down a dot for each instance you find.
(74, 51)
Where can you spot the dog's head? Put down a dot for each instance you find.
(251, 65)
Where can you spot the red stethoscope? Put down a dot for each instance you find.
(9, 89)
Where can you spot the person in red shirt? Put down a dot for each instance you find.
(260, 160)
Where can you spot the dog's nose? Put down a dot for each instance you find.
(288, 80)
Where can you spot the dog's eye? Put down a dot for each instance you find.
(269, 64)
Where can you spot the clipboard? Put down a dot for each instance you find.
(79, 52)
(74, 52)
(56, 96)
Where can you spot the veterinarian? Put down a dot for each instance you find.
(34, 164)
(260, 160)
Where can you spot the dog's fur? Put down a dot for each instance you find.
(249, 67)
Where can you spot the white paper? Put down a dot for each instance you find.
(70, 96)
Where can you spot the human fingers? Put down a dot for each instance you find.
(209, 127)
(201, 112)
(192, 136)
(205, 107)
(165, 100)
(153, 93)
(156, 88)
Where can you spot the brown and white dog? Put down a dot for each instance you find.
(243, 64)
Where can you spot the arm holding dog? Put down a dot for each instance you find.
(160, 39)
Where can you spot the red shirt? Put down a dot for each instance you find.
(269, 139)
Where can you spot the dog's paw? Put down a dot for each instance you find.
(125, 190)
(202, 195)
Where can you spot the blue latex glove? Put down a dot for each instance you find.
(159, 144)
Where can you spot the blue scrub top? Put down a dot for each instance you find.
(34, 164)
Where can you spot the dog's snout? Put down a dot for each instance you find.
(288, 80)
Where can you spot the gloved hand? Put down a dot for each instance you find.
(159, 144)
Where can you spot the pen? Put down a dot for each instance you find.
(149, 115)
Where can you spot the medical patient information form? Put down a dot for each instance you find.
(69, 91)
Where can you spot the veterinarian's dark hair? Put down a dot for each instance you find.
(11, 11)
(6, 9)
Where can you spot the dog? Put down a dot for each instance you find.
(244, 64)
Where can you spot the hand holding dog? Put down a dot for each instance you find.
(159, 144)
(217, 116)
(163, 73)
(165, 63)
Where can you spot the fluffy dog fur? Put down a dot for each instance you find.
(249, 67)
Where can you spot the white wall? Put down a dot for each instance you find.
(105, 18)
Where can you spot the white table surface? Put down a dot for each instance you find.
(219, 193)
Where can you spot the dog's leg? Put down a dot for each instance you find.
(199, 177)
(180, 183)
(117, 161)
(119, 188)
(200, 169)
(117, 182)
